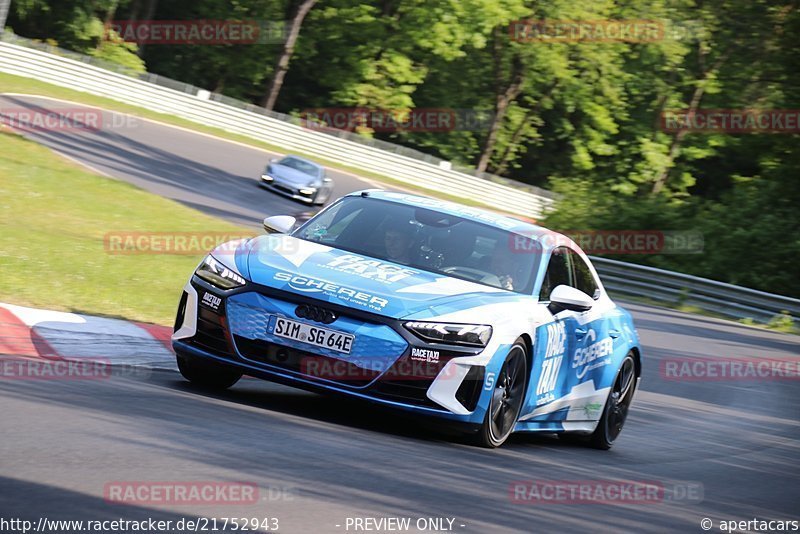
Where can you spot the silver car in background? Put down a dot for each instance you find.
(299, 179)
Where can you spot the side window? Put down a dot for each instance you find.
(558, 273)
(584, 280)
(338, 227)
(329, 226)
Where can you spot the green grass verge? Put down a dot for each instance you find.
(54, 217)
(17, 84)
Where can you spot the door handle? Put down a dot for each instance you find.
(614, 333)
(580, 332)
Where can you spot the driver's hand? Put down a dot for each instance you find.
(506, 282)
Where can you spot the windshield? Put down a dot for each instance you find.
(300, 165)
(428, 240)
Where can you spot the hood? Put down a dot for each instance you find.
(291, 176)
(361, 282)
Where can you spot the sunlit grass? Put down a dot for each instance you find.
(54, 216)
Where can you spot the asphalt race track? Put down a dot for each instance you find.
(206, 173)
(724, 450)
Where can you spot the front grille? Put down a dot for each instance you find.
(313, 366)
(251, 317)
(283, 188)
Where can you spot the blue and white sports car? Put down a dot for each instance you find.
(448, 311)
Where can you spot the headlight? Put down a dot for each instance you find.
(474, 335)
(218, 275)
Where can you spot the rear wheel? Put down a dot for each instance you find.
(506, 401)
(617, 404)
(209, 375)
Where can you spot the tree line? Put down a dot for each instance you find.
(568, 103)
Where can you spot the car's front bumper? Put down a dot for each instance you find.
(303, 194)
(183, 349)
(235, 334)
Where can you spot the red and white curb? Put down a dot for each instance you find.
(34, 333)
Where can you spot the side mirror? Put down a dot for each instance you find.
(279, 224)
(568, 298)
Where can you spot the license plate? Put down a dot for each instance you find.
(313, 335)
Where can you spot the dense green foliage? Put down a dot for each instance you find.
(582, 118)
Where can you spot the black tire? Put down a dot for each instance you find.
(507, 398)
(616, 408)
(208, 375)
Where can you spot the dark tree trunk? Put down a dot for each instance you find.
(112, 11)
(694, 104)
(282, 65)
(502, 165)
(505, 93)
(149, 11)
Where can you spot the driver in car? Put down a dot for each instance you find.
(398, 245)
(502, 265)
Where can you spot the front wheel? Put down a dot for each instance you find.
(617, 404)
(506, 401)
(209, 375)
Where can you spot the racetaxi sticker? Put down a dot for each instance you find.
(554, 354)
(424, 355)
(592, 356)
(312, 285)
(375, 270)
